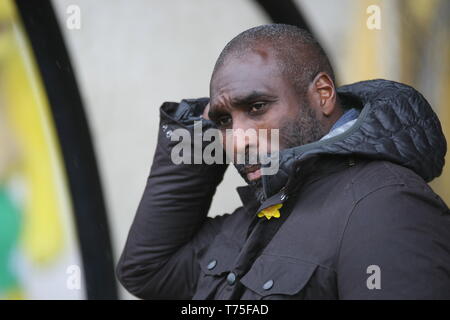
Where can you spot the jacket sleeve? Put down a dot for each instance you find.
(158, 261)
(396, 246)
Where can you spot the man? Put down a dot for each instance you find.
(348, 215)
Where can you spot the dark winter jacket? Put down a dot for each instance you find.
(358, 219)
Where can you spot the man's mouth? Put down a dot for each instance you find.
(253, 172)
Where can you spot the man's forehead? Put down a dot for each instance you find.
(240, 96)
(240, 77)
(251, 58)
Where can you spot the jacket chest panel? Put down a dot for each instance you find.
(297, 263)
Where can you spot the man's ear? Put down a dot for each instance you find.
(322, 94)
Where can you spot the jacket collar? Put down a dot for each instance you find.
(396, 124)
(313, 170)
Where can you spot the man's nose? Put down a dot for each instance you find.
(244, 141)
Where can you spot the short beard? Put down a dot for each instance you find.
(258, 189)
(303, 129)
(256, 185)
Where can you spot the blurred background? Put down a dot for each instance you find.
(80, 86)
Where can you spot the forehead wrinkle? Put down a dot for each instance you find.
(239, 99)
(249, 97)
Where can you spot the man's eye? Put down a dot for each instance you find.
(224, 121)
(257, 107)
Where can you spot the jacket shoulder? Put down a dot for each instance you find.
(374, 175)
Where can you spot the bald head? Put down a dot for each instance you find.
(299, 56)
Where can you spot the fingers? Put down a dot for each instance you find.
(205, 112)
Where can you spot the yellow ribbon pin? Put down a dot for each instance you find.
(270, 212)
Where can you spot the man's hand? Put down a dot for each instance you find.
(205, 112)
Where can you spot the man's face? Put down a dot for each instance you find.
(250, 92)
